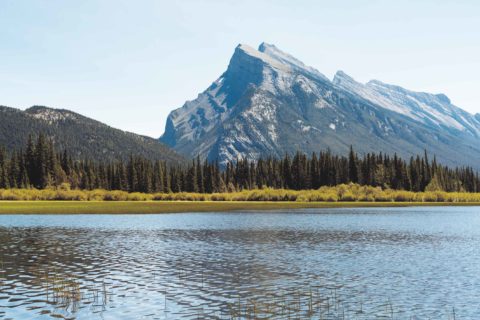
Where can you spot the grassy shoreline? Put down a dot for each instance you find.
(157, 207)
(113, 201)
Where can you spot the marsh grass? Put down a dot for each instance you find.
(341, 193)
(106, 201)
(67, 292)
(314, 303)
(61, 290)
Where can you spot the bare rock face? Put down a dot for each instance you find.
(268, 103)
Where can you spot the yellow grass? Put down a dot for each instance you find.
(126, 207)
(103, 201)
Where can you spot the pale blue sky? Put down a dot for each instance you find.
(129, 63)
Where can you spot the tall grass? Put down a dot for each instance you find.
(340, 193)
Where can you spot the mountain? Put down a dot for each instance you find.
(269, 103)
(433, 110)
(82, 136)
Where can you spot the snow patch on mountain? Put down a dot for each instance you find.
(286, 59)
(346, 82)
(268, 59)
(50, 115)
(263, 110)
(305, 128)
(426, 108)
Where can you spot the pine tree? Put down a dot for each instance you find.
(199, 176)
(352, 166)
(40, 166)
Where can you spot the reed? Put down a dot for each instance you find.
(67, 291)
(313, 304)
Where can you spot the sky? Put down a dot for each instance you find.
(129, 63)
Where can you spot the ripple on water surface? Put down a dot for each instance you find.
(304, 264)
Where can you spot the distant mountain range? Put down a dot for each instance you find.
(270, 103)
(83, 137)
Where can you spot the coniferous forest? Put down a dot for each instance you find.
(40, 166)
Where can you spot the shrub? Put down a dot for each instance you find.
(218, 197)
(332, 197)
(70, 195)
(366, 198)
(383, 197)
(96, 195)
(344, 192)
(115, 195)
(347, 196)
(9, 195)
(403, 196)
(137, 196)
(429, 196)
(64, 186)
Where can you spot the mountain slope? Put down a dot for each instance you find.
(269, 103)
(82, 136)
(429, 109)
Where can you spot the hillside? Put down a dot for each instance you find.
(82, 136)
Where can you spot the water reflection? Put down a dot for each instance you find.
(343, 265)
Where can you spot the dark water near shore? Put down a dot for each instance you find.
(381, 263)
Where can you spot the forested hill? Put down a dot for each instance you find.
(82, 136)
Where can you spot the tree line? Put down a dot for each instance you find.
(40, 166)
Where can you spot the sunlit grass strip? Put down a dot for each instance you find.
(343, 192)
(104, 201)
(133, 207)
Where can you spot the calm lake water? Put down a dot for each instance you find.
(382, 263)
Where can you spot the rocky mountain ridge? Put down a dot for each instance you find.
(268, 103)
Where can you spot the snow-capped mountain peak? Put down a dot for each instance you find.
(268, 103)
(285, 58)
(267, 59)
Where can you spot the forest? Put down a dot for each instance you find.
(39, 166)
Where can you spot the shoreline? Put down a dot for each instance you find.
(160, 207)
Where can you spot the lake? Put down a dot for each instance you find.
(376, 263)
